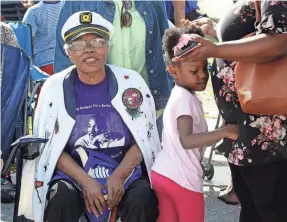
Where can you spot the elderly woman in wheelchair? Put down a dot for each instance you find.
(99, 126)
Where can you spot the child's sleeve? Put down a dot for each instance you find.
(32, 19)
(184, 107)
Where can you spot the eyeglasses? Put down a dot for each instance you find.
(126, 17)
(82, 44)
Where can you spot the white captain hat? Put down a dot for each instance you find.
(85, 22)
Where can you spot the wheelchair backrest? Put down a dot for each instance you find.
(23, 33)
(13, 92)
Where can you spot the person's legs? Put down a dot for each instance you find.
(281, 191)
(267, 185)
(248, 211)
(228, 195)
(165, 204)
(188, 204)
(64, 203)
(139, 203)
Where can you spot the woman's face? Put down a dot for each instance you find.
(89, 59)
(93, 128)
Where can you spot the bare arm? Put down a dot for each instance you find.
(70, 167)
(115, 182)
(179, 11)
(132, 158)
(190, 140)
(256, 49)
(260, 48)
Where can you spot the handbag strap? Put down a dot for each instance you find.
(257, 5)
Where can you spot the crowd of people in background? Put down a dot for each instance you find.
(123, 91)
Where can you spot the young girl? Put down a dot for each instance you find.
(177, 173)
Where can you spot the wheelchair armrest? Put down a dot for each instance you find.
(29, 146)
(25, 140)
(41, 80)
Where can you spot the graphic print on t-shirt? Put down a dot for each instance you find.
(97, 131)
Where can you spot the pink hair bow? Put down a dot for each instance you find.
(183, 41)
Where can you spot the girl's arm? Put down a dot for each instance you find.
(190, 140)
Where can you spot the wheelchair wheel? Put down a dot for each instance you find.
(209, 172)
(203, 171)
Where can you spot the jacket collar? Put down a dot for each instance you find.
(69, 92)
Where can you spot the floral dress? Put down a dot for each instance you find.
(262, 139)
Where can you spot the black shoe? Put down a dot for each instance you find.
(7, 191)
(224, 197)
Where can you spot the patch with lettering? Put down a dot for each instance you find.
(132, 99)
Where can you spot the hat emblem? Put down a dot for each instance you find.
(86, 17)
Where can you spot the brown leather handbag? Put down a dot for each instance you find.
(262, 87)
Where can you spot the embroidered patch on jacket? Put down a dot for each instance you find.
(132, 99)
(56, 127)
(86, 17)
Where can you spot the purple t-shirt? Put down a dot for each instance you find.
(98, 127)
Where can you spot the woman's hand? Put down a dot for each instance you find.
(115, 185)
(94, 199)
(204, 50)
(232, 131)
(207, 25)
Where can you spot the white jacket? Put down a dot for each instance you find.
(55, 119)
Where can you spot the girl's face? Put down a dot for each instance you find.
(190, 75)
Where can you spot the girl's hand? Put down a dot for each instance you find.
(232, 131)
(204, 50)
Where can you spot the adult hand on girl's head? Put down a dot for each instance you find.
(207, 25)
(184, 22)
(205, 49)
